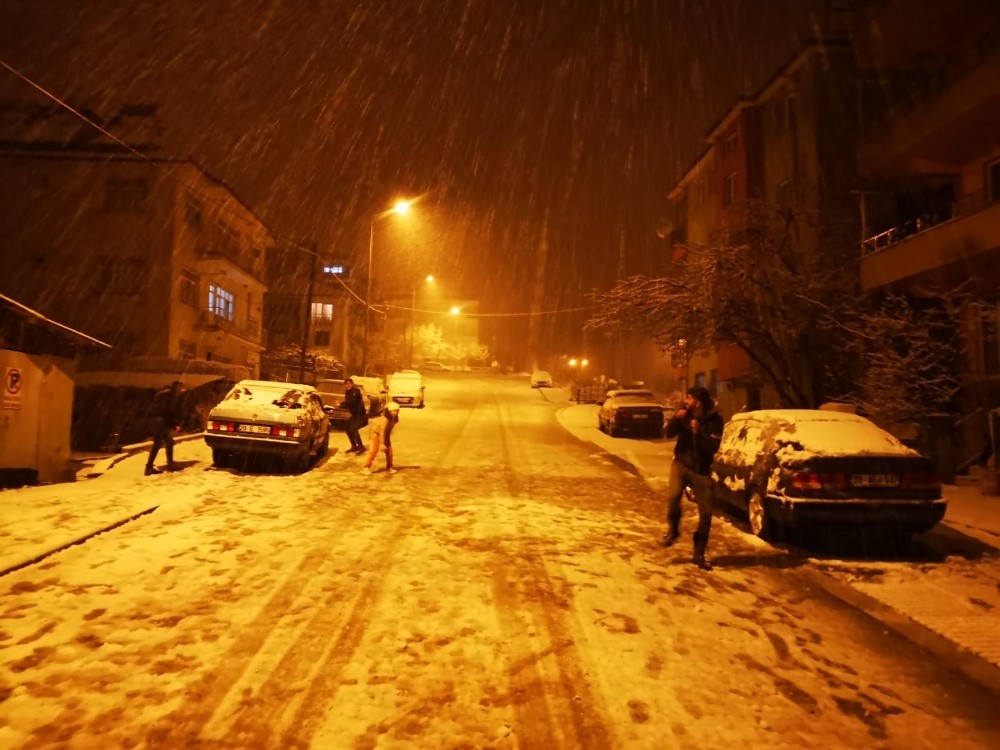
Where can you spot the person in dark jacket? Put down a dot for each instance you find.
(698, 429)
(167, 418)
(355, 404)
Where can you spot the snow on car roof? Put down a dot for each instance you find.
(266, 391)
(810, 432)
(632, 393)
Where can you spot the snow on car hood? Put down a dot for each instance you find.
(248, 402)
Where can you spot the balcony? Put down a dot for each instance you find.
(209, 320)
(930, 245)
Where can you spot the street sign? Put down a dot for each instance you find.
(12, 383)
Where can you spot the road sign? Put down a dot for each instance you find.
(12, 383)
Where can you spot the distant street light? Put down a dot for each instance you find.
(401, 207)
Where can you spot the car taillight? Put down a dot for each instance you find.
(284, 431)
(819, 480)
(925, 480)
(222, 426)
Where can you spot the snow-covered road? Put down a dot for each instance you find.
(504, 589)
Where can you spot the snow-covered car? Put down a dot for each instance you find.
(331, 392)
(541, 379)
(264, 417)
(435, 367)
(375, 390)
(630, 411)
(406, 388)
(795, 467)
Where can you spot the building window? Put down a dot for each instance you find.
(731, 143)
(126, 195)
(186, 349)
(993, 182)
(322, 311)
(189, 287)
(193, 213)
(321, 338)
(221, 302)
(729, 190)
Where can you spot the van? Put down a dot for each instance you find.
(406, 388)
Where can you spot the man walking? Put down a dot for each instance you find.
(698, 429)
(355, 404)
(380, 434)
(167, 418)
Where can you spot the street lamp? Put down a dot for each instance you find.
(401, 207)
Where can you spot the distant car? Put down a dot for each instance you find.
(406, 388)
(632, 411)
(435, 367)
(264, 417)
(331, 392)
(541, 379)
(376, 391)
(793, 467)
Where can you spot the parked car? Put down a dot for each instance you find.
(794, 467)
(406, 388)
(435, 367)
(331, 392)
(264, 417)
(629, 410)
(541, 379)
(376, 391)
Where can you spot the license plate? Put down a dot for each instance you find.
(875, 480)
(262, 429)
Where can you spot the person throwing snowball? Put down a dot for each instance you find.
(379, 435)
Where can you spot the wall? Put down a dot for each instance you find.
(36, 436)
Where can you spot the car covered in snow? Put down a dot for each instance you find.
(632, 411)
(435, 367)
(541, 379)
(406, 388)
(790, 468)
(331, 392)
(264, 417)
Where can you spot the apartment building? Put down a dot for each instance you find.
(149, 253)
(787, 147)
(931, 168)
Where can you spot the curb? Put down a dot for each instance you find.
(104, 464)
(79, 540)
(969, 664)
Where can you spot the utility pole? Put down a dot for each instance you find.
(308, 310)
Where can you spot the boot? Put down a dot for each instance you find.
(151, 470)
(700, 542)
(669, 538)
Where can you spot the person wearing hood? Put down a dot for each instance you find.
(698, 429)
(379, 435)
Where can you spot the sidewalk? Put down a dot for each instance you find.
(941, 605)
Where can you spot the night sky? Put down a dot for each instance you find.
(522, 121)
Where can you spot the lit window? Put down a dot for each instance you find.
(221, 302)
(322, 311)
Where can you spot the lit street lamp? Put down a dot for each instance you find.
(401, 207)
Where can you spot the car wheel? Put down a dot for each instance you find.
(219, 457)
(760, 524)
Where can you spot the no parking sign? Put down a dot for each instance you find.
(12, 383)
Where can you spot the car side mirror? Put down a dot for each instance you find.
(329, 409)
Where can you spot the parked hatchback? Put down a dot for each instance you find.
(406, 388)
(630, 411)
(264, 417)
(790, 468)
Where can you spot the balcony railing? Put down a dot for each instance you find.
(209, 320)
(964, 206)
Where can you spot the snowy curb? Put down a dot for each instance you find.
(79, 540)
(100, 466)
(968, 663)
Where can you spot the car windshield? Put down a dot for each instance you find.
(277, 395)
(635, 397)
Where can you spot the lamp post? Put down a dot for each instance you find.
(401, 207)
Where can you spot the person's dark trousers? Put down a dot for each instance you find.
(702, 488)
(354, 433)
(681, 477)
(163, 435)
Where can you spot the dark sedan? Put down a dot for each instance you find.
(632, 411)
(799, 467)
